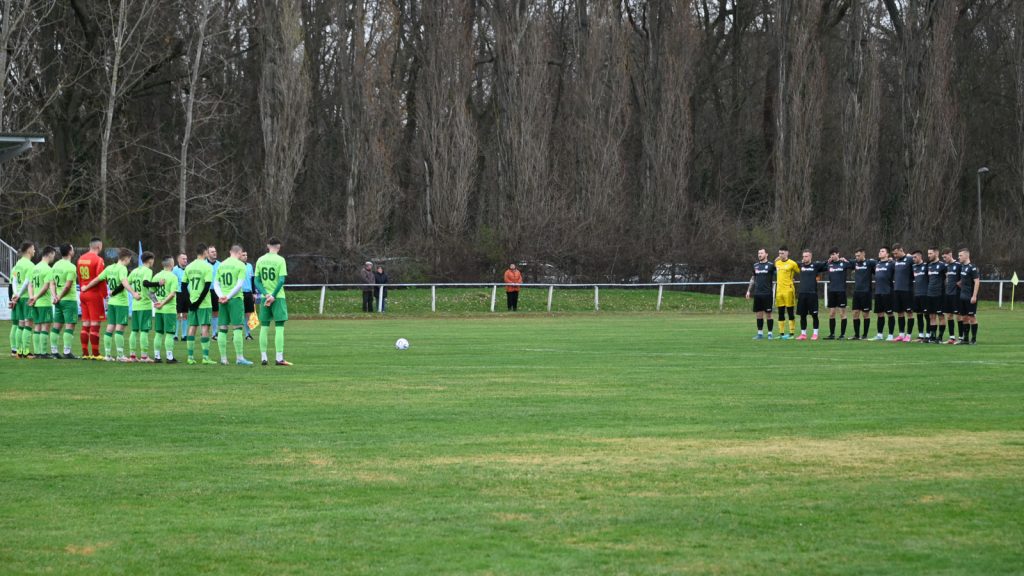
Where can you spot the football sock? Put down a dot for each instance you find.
(892, 325)
(35, 342)
(69, 339)
(144, 343)
(190, 345)
(910, 325)
(831, 326)
(279, 341)
(94, 338)
(803, 323)
(974, 332)
(263, 340)
(14, 336)
(119, 343)
(771, 325)
(238, 338)
(222, 344)
(108, 338)
(205, 343)
(169, 345)
(84, 337)
(760, 325)
(867, 326)
(902, 322)
(942, 331)
(132, 339)
(54, 340)
(856, 328)
(842, 327)
(814, 321)
(951, 326)
(920, 322)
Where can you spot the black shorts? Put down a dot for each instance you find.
(216, 301)
(763, 303)
(968, 309)
(921, 304)
(935, 304)
(903, 301)
(883, 303)
(837, 299)
(248, 302)
(862, 301)
(951, 303)
(181, 302)
(806, 304)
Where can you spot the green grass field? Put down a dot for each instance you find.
(579, 443)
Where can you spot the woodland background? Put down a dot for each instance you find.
(601, 137)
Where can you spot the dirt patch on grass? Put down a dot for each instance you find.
(952, 454)
(85, 549)
(16, 395)
(507, 517)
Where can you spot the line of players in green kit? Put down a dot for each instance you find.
(44, 305)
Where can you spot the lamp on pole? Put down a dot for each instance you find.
(982, 170)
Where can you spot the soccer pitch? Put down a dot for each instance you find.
(583, 443)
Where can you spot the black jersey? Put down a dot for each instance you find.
(764, 274)
(837, 275)
(862, 271)
(936, 277)
(809, 276)
(883, 276)
(952, 277)
(968, 274)
(920, 279)
(903, 274)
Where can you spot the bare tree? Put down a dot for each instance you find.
(124, 63)
(283, 103)
(446, 132)
(203, 13)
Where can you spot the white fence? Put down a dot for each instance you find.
(494, 286)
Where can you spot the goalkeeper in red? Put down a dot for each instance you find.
(227, 285)
(271, 271)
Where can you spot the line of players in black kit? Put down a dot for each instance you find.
(942, 292)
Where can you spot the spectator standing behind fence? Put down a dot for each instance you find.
(380, 278)
(366, 274)
(513, 278)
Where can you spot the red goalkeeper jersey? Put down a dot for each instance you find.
(90, 266)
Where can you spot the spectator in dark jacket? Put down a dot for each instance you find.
(380, 278)
(366, 275)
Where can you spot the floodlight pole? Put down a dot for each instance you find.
(982, 170)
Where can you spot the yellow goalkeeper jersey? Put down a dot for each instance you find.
(785, 272)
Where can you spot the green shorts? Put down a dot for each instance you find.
(42, 314)
(22, 311)
(66, 312)
(276, 312)
(117, 315)
(200, 317)
(166, 323)
(142, 321)
(232, 313)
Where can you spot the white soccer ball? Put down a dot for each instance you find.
(401, 344)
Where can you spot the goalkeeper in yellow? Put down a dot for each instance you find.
(785, 291)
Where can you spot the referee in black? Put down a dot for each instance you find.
(181, 299)
(247, 294)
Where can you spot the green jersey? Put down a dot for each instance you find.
(136, 279)
(63, 272)
(271, 270)
(231, 277)
(22, 273)
(170, 287)
(41, 277)
(197, 274)
(113, 275)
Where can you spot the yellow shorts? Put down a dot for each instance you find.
(785, 298)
